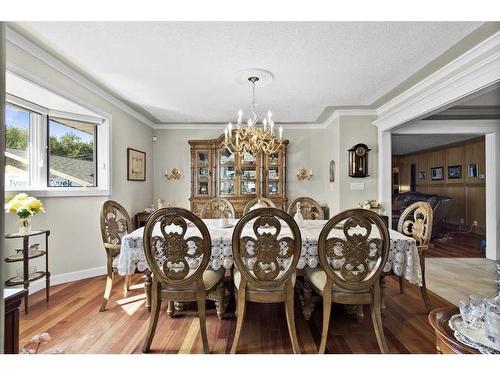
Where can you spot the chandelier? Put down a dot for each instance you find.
(251, 137)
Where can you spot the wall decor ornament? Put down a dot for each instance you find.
(136, 165)
(304, 174)
(472, 170)
(173, 174)
(358, 160)
(454, 171)
(422, 175)
(332, 171)
(437, 173)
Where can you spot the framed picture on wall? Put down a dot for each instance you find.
(437, 173)
(472, 170)
(454, 171)
(136, 165)
(422, 175)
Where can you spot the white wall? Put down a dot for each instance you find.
(308, 148)
(75, 240)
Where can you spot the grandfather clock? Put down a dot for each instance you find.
(358, 160)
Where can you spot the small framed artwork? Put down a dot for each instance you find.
(472, 170)
(422, 175)
(136, 165)
(437, 173)
(454, 171)
(332, 171)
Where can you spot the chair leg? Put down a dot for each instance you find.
(307, 304)
(423, 288)
(109, 283)
(327, 309)
(221, 300)
(170, 308)
(402, 285)
(240, 311)
(147, 289)
(290, 317)
(360, 313)
(126, 284)
(377, 319)
(153, 318)
(201, 298)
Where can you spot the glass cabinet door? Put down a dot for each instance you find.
(273, 176)
(227, 173)
(202, 173)
(248, 170)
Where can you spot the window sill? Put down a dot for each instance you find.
(61, 192)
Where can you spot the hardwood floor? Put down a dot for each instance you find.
(76, 325)
(456, 245)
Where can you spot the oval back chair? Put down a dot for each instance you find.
(352, 260)
(115, 223)
(309, 208)
(177, 246)
(266, 249)
(264, 201)
(416, 222)
(218, 208)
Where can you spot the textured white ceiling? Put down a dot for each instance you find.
(185, 72)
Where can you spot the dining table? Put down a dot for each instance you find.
(403, 259)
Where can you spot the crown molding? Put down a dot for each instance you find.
(472, 71)
(290, 126)
(28, 46)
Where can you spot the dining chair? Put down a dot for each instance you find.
(115, 223)
(265, 264)
(309, 208)
(178, 264)
(350, 267)
(416, 222)
(216, 208)
(260, 202)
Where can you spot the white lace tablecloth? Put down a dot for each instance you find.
(403, 256)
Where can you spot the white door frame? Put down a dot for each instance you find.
(474, 72)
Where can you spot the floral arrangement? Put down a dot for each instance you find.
(371, 204)
(24, 206)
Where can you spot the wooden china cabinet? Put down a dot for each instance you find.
(215, 172)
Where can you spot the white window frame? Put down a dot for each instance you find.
(38, 151)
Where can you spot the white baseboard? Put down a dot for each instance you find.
(67, 277)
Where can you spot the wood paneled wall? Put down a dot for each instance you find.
(467, 192)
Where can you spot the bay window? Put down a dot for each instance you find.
(53, 146)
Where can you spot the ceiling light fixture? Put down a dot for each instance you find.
(251, 137)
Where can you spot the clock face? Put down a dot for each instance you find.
(360, 151)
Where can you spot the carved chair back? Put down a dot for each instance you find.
(217, 208)
(115, 223)
(354, 261)
(175, 259)
(264, 201)
(416, 222)
(266, 247)
(309, 208)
